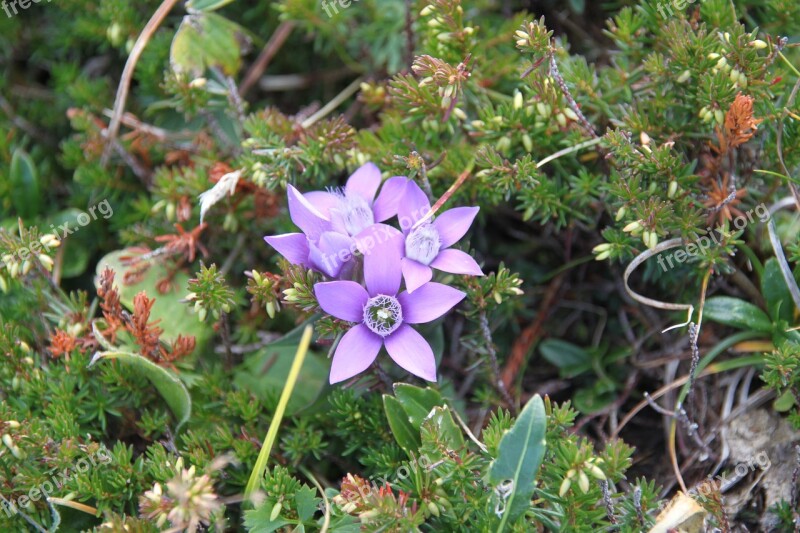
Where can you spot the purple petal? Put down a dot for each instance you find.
(292, 246)
(413, 207)
(456, 262)
(323, 201)
(454, 223)
(357, 349)
(429, 302)
(416, 274)
(306, 216)
(412, 352)
(342, 299)
(331, 252)
(382, 247)
(388, 200)
(365, 182)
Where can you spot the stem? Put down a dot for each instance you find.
(127, 73)
(569, 150)
(333, 104)
(498, 382)
(272, 432)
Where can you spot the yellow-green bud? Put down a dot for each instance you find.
(596, 472)
(276, 511)
(46, 261)
(672, 189)
(632, 227)
(583, 481)
(684, 77)
(564, 487)
(527, 142)
(518, 100)
(758, 44)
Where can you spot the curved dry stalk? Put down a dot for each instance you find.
(127, 73)
(786, 271)
(668, 306)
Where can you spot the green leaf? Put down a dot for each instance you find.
(206, 40)
(737, 313)
(776, 293)
(258, 520)
(307, 501)
(25, 196)
(404, 433)
(166, 383)
(440, 423)
(417, 401)
(519, 457)
(176, 317)
(206, 5)
(264, 372)
(784, 402)
(569, 358)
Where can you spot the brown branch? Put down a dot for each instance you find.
(274, 44)
(127, 73)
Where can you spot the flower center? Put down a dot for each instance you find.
(422, 244)
(356, 213)
(383, 314)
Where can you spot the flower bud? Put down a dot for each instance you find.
(518, 101)
(758, 44)
(583, 481)
(632, 227)
(564, 487)
(427, 10)
(620, 213)
(46, 261)
(527, 142)
(672, 189)
(276, 511)
(570, 114)
(684, 77)
(596, 472)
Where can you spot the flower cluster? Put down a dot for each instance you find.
(344, 237)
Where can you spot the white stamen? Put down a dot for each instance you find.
(422, 244)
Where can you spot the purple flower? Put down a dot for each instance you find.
(427, 244)
(382, 317)
(329, 220)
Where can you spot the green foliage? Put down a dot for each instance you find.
(597, 136)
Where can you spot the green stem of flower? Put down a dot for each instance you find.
(272, 432)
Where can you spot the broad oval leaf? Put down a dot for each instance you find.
(776, 293)
(737, 313)
(417, 401)
(404, 433)
(519, 457)
(166, 383)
